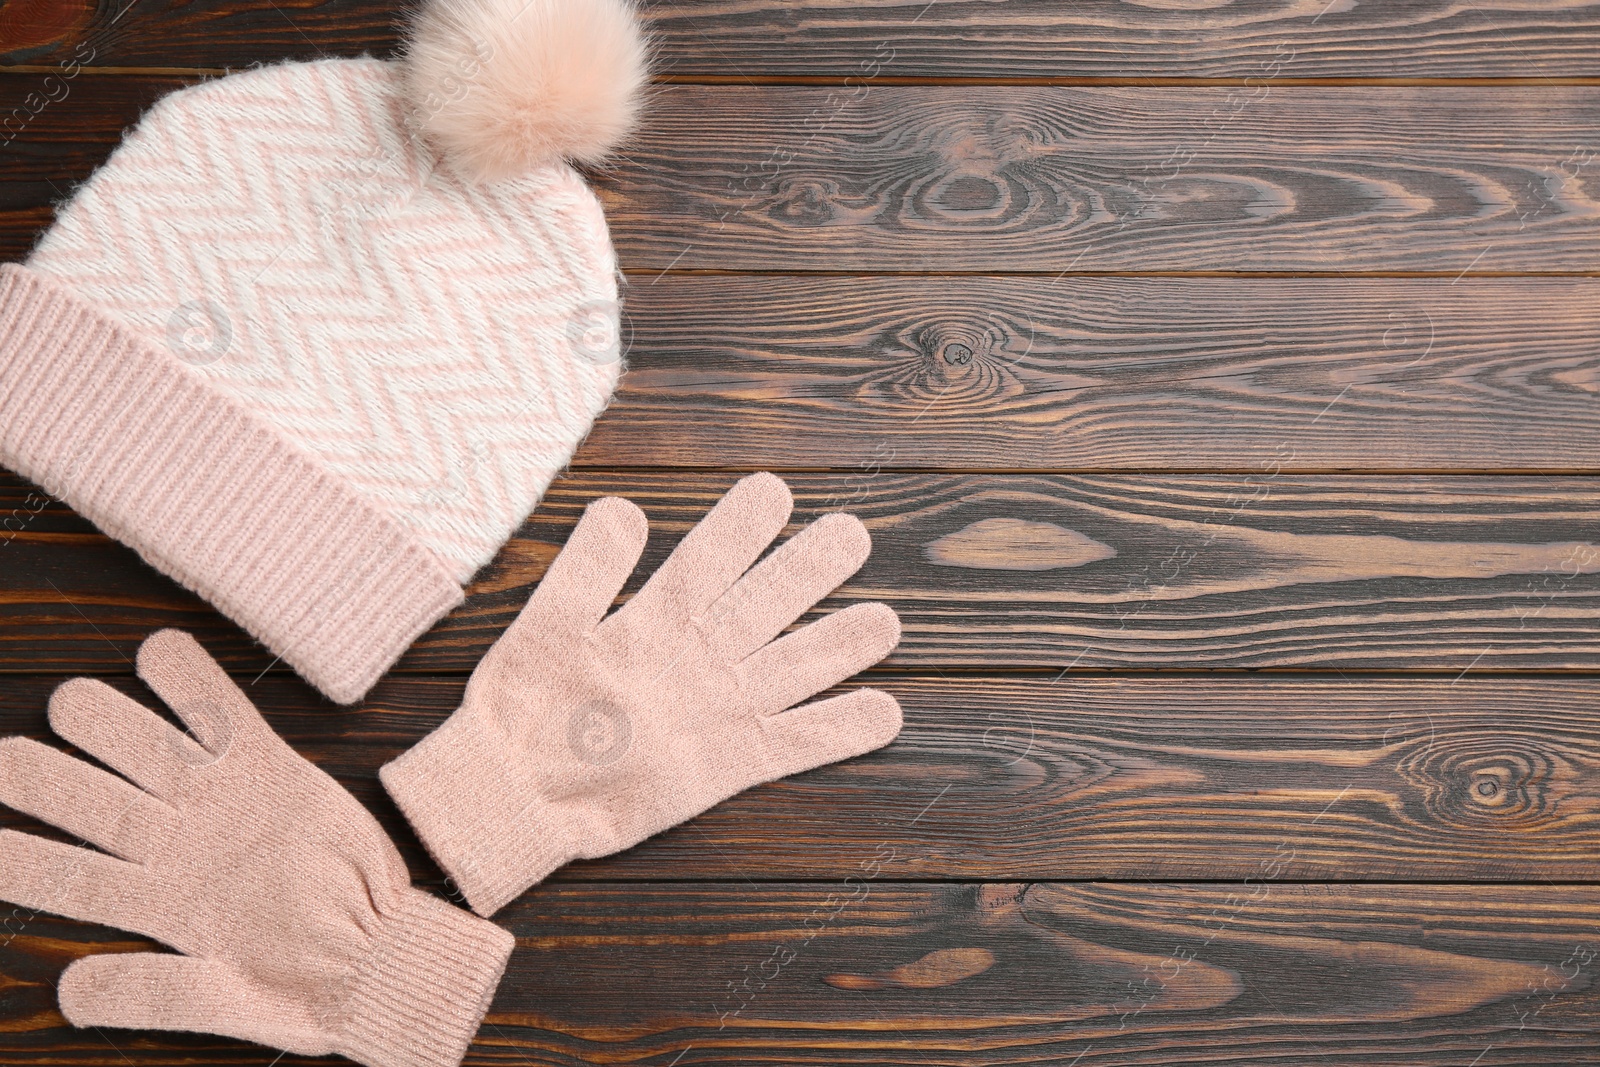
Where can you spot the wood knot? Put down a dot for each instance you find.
(970, 192)
(806, 202)
(954, 367)
(954, 345)
(1471, 783)
(974, 195)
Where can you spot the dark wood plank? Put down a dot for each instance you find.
(1322, 778)
(55, 130)
(877, 972)
(1112, 39)
(1126, 39)
(1005, 571)
(1009, 179)
(20, 228)
(1047, 179)
(170, 33)
(1108, 373)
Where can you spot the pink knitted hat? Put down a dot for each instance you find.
(318, 336)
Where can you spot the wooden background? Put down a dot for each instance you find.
(1219, 380)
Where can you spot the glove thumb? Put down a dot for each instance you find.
(160, 991)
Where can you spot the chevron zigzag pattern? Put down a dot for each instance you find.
(443, 347)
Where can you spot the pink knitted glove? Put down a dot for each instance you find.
(582, 734)
(296, 920)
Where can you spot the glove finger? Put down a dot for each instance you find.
(221, 716)
(788, 583)
(827, 731)
(84, 801)
(588, 574)
(713, 555)
(198, 691)
(126, 736)
(822, 654)
(79, 883)
(157, 991)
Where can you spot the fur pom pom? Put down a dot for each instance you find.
(504, 86)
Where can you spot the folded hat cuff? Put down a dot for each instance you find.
(208, 492)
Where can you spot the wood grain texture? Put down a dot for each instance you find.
(1008, 179)
(1108, 373)
(1269, 570)
(764, 39)
(1053, 864)
(912, 178)
(1321, 778)
(879, 972)
(1126, 39)
(55, 129)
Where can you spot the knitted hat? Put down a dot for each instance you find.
(318, 336)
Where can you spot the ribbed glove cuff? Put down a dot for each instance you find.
(420, 995)
(478, 813)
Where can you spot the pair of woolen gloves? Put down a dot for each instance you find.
(581, 733)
